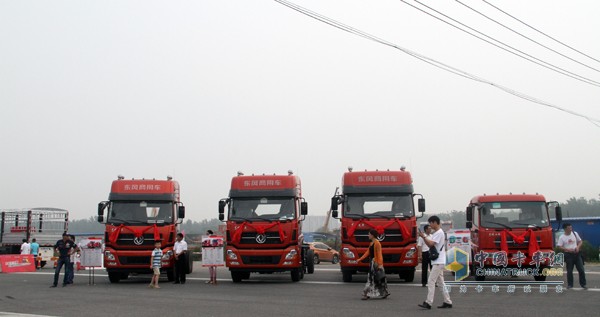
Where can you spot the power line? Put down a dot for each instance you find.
(428, 60)
(522, 35)
(527, 57)
(548, 36)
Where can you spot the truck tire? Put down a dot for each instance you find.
(124, 276)
(237, 277)
(408, 276)
(296, 275)
(170, 275)
(114, 277)
(347, 275)
(310, 264)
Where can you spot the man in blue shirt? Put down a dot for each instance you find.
(64, 248)
(35, 250)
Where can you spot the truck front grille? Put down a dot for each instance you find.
(253, 259)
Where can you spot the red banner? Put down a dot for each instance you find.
(17, 263)
(260, 229)
(519, 239)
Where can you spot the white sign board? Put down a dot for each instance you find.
(91, 252)
(212, 251)
(458, 238)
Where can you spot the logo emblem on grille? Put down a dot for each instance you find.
(138, 240)
(381, 237)
(261, 238)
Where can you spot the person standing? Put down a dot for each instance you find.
(424, 255)
(155, 265)
(376, 282)
(35, 250)
(72, 259)
(64, 248)
(25, 248)
(180, 249)
(436, 240)
(570, 243)
(212, 269)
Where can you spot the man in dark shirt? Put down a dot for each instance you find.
(64, 248)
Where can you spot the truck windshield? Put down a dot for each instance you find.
(516, 214)
(140, 212)
(379, 205)
(265, 208)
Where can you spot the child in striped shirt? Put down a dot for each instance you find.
(155, 259)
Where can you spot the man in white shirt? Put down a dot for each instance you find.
(25, 248)
(424, 255)
(180, 250)
(570, 243)
(437, 240)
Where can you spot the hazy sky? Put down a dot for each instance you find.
(202, 89)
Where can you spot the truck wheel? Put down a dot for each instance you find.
(237, 277)
(124, 276)
(408, 276)
(170, 275)
(347, 276)
(114, 277)
(296, 275)
(310, 263)
(335, 259)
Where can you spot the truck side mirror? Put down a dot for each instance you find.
(334, 213)
(221, 217)
(421, 203)
(334, 203)
(469, 225)
(304, 208)
(469, 214)
(222, 204)
(558, 212)
(181, 212)
(101, 206)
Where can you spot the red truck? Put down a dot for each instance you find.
(140, 212)
(264, 226)
(510, 235)
(380, 200)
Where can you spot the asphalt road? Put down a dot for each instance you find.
(318, 294)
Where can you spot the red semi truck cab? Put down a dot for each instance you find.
(380, 200)
(264, 225)
(140, 212)
(518, 225)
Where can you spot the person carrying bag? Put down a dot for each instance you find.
(376, 286)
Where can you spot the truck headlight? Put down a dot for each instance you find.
(348, 254)
(292, 254)
(109, 256)
(167, 255)
(411, 252)
(231, 255)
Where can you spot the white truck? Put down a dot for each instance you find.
(46, 225)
